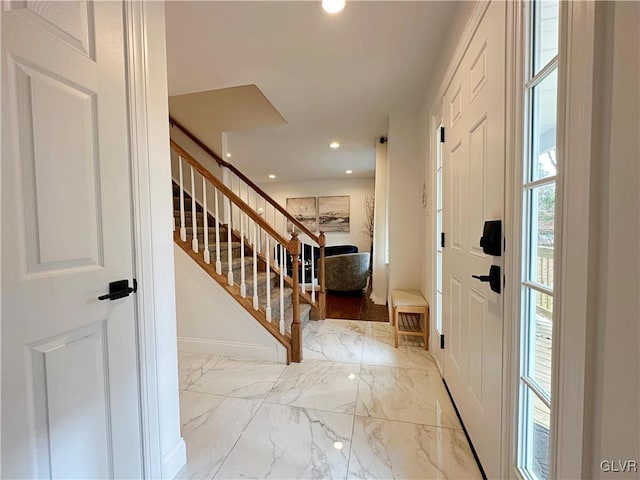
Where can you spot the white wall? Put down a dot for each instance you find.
(405, 213)
(379, 291)
(613, 356)
(195, 151)
(356, 188)
(211, 321)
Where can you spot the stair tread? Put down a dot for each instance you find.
(200, 227)
(223, 246)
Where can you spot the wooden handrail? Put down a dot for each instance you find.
(244, 178)
(241, 204)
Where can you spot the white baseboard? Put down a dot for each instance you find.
(239, 350)
(174, 460)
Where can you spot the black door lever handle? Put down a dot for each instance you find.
(494, 278)
(482, 278)
(119, 289)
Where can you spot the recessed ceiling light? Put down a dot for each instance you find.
(348, 172)
(333, 6)
(352, 376)
(228, 155)
(334, 145)
(272, 176)
(337, 445)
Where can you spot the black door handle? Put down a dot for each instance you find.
(120, 289)
(482, 278)
(493, 278)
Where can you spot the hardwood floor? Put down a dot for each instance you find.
(353, 306)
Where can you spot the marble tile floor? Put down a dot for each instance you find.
(356, 407)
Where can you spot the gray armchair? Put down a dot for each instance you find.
(346, 273)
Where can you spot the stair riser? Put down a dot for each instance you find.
(199, 217)
(187, 203)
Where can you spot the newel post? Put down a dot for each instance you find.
(296, 328)
(322, 296)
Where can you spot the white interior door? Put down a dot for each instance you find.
(473, 170)
(70, 396)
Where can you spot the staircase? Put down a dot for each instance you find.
(222, 225)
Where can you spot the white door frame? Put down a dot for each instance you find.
(514, 130)
(135, 35)
(577, 65)
(149, 133)
(1, 10)
(575, 111)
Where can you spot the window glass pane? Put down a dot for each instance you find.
(541, 217)
(439, 230)
(540, 440)
(439, 271)
(545, 32)
(439, 310)
(439, 149)
(543, 122)
(439, 191)
(539, 314)
(534, 458)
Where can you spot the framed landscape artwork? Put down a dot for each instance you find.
(303, 210)
(333, 214)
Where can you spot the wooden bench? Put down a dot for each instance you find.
(410, 301)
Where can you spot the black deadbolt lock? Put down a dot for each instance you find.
(491, 240)
(494, 278)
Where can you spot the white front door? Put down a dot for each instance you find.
(473, 170)
(70, 394)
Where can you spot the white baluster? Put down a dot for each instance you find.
(243, 285)
(313, 281)
(207, 253)
(261, 213)
(255, 268)
(283, 265)
(194, 219)
(183, 228)
(302, 268)
(218, 262)
(268, 308)
(229, 249)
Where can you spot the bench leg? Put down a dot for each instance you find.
(426, 328)
(396, 319)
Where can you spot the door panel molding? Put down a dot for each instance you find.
(79, 357)
(50, 210)
(74, 27)
(477, 318)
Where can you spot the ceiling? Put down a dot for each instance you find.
(207, 114)
(331, 77)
